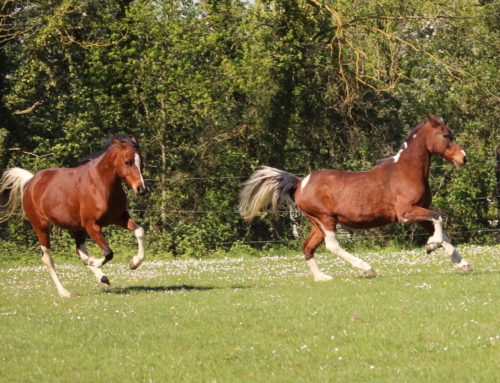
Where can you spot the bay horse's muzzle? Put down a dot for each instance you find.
(141, 190)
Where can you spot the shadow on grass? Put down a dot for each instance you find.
(159, 289)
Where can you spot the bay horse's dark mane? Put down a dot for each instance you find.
(107, 144)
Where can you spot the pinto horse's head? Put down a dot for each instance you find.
(440, 140)
(128, 162)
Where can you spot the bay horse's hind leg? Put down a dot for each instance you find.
(329, 227)
(95, 232)
(127, 223)
(456, 259)
(81, 251)
(309, 246)
(43, 234)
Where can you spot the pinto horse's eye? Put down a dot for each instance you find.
(128, 163)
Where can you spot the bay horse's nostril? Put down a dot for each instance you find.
(141, 190)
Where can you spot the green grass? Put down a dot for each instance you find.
(256, 320)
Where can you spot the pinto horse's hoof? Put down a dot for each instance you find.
(430, 247)
(322, 277)
(465, 267)
(63, 293)
(105, 281)
(134, 264)
(369, 273)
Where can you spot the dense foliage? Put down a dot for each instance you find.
(213, 89)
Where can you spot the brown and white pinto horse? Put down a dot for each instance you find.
(397, 190)
(82, 199)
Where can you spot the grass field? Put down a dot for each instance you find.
(256, 320)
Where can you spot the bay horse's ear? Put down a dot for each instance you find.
(118, 143)
(435, 120)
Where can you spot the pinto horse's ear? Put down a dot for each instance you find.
(435, 120)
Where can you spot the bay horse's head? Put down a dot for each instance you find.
(128, 162)
(440, 140)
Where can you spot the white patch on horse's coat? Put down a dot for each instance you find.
(83, 253)
(437, 237)
(305, 181)
(415, 136)
(405, 145)
(318, 275)
(398, 154)
(333, 246)
(463, 152)
(137, 259)
(138, 164)
(49, 264)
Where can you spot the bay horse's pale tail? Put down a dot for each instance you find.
(12, 185)
(266, 186)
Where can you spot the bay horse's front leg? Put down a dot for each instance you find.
(127, 223)
(81, 251)
(456, 259)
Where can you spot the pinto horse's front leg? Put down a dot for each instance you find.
(456, 259)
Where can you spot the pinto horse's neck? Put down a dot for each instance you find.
(414, 157)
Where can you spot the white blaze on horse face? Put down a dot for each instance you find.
(463, 152)
(305, 181)
(138, 164)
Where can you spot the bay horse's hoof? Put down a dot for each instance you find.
(105, 281)
(465, 267)
(430, 247)
(322, 277)
(369, 273)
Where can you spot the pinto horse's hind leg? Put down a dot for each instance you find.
(44, 239)
(129, 224)
(81, 251)
(310, 244)
(456, 259)
(332, 245)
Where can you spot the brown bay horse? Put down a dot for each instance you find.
(396, 190)
(82, 200)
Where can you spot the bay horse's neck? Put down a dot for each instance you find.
(414, 157)
(105, 170)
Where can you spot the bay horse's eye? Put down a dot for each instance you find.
(449, 136)
(128, 163)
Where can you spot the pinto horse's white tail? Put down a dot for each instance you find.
(266, 186)
(11, 189)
